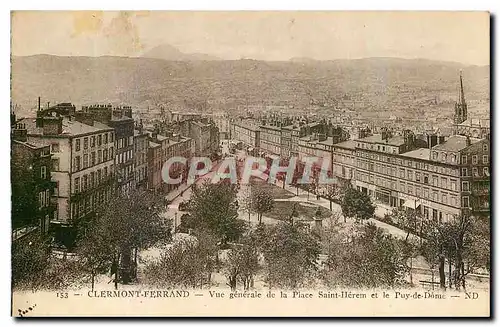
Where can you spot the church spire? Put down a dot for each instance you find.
(460, 106)
(462, 96)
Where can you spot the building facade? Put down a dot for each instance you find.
(82, 168)
(33, 205)
(141, 145)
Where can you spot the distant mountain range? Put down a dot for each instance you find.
(168, 52)
(376, 83)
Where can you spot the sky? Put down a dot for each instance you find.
(447, 36)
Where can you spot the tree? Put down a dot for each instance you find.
(95, 253)
(290, 253)
(188, 262)
(408, 219)
(356, 204)
(465, 231)
(262, 202)
(242, 263)
(214, 207)
(34, 269)
(130, 223)
(30, 260)
(332, 192)
(246, 201)
(367, 257)
(434, 248)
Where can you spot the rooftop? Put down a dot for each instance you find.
(455, 143)
(153, 144)
(377, 138)
(422, 153)
(30, 145)
(476, 122)
(69, 127)
(276, 128)
(349, 144)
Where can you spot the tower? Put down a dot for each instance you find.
(460, 106)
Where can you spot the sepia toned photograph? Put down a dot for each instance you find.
(250, 164)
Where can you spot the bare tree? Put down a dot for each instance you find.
(262, 202)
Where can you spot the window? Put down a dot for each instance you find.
(464, 159)
(485, 159)
(434, 180)
(410, 189)
(465, 201)
(105, 155)
(453, 158)
(92, 179)
(105, 172)
(111, 137)
(434, 155)
(111, 152)
(41, 199)
(453, 183)
(85, 161)
(443, 156)
(426, 193)
(92, 141)
(77, 184)
(485, 147)
(77, 144)
(426, 179)
(486, 171)
(434, 195)
(105, 138)
(85, 143)
(474, 160)
(99, 140)
(99, 177)
(99, 156)
(417, 177)
(43, 172)
(418, 191)
(55, 164)
(85, 181)
(77, 163)
(464, 171)
(465, 186)
(92, 159)
(475, 173)
(444, 182)
(54, 147)
(444, 199)
(410, 175)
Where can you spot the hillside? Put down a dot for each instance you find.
(373, 84)
(168, 52)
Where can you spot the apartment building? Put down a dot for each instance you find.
(120, 119)
(247, 132)
(141, 145)
(393, 171)
(82, 167)
(33, 205)
(270, 139)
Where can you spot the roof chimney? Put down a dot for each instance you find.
(39, 104)
(467, 140)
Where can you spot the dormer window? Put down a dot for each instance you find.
(434, 155)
